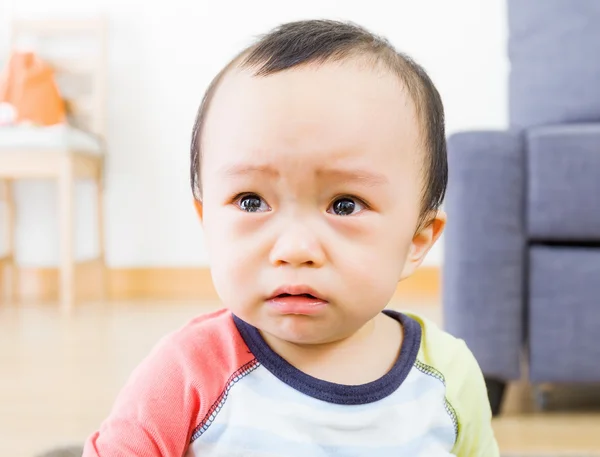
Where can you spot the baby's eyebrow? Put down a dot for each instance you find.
(365, 177)
(245, 169)
(370, 178)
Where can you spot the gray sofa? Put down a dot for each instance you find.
(521, 276)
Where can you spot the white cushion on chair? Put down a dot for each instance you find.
(61, 136)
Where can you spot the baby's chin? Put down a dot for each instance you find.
(281, 339)
(302, 331)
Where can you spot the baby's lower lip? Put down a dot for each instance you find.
(297, 304)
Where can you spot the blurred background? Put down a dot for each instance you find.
(102, 253)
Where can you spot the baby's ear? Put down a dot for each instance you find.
(422, 242)
(198, 205)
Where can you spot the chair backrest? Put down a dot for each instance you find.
(553, 46)
(76, 49)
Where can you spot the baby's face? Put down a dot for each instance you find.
(312, 182)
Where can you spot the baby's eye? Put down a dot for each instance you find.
(346, 206)
(251, 203)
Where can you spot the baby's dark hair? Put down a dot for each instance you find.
(320, 41)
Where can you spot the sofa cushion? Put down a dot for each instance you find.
(564, 314)
(563, 183)
(553, 77)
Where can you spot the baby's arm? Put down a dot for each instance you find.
(153, 414)
(468, 395)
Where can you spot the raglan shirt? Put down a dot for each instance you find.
(214, 388)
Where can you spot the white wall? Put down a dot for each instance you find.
(163, 55)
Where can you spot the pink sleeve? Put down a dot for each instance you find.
(170, 393)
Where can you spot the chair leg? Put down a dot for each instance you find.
(9, 241)
(101, 234)
(495, 391)
(66, 262)
(542, 394)
(5, 230)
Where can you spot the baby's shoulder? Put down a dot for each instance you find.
(441, 351)
(205, 346)
(209, 329)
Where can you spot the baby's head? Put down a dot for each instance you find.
(318, 165)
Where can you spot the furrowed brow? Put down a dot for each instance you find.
(367, 178)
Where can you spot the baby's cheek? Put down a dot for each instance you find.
(382, 269)
(232, 275)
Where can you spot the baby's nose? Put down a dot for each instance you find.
(298, 246)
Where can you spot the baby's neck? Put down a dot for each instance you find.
(363, 357)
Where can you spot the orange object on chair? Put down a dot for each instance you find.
(28, 84)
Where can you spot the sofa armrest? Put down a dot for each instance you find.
(484, 259)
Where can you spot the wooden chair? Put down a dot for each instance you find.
(76, 152)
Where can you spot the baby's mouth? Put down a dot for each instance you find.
(302, 303)
(297, 295)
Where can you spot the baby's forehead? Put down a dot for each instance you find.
(343, 116)
(358, 68)
(334, 112)
(348, 90)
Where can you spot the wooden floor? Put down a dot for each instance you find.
(60, 373)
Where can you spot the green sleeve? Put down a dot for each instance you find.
(466, 391)
(466, 394)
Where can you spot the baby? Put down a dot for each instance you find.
(318, 166)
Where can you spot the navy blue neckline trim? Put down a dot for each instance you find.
(329, 391)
